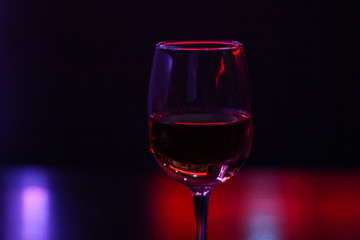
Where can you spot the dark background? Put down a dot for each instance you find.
(74, 77)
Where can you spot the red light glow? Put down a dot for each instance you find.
(170, 209)
(276, 205)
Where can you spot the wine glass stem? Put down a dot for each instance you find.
(201, 202)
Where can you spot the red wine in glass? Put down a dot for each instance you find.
(201, 149)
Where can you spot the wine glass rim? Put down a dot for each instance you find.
(202, 45)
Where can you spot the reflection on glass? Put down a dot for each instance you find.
(27, 205)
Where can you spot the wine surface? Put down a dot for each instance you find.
(201, 148)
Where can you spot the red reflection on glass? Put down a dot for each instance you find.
(200, 174)
(239, 62)
(259, 204)
(220, 72)
(236, 52)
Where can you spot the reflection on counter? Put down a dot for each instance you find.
(55, 204)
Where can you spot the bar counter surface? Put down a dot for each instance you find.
(40, 203)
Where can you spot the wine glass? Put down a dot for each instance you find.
(199, 115)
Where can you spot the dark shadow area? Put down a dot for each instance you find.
(74, 78)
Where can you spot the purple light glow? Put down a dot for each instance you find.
(27, 205)
(35, 213)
